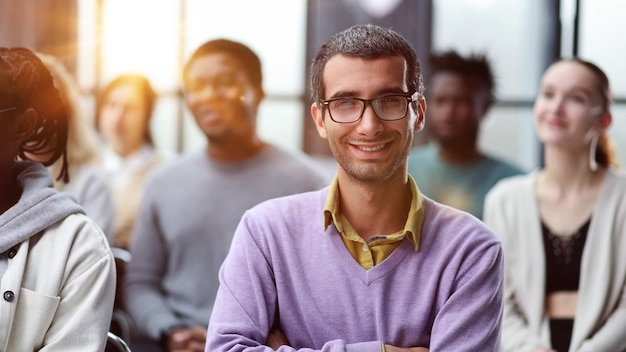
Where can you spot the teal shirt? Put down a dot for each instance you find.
(460, 186)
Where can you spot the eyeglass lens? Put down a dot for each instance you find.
(390, 107)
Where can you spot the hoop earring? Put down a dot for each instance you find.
(593, 164)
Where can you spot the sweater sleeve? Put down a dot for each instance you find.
(143, 296)
(245, 305)
(516, 335)
(609, 332)
(610, 337)
(478, 295)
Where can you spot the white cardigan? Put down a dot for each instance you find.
(58, 290)
(600, 322)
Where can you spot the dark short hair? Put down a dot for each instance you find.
(475, 66)
(26, 83)
(247, 59)
(143, 86)
(368, 42)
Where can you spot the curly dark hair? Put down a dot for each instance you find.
(475, 66)
(26, 83)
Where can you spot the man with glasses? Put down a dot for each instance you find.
(191, 207)
(368, 263)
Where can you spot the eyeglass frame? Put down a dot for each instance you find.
(8, 109)
(409, 97)
(216, 83)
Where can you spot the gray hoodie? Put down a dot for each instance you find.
(39, 207)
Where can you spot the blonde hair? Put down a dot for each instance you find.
(83, 146)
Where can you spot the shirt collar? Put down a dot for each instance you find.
(412, 227)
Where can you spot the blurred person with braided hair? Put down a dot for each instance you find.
(57, 271)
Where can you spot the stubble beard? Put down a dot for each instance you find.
(369, 171)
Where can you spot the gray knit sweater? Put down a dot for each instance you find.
(188, 215)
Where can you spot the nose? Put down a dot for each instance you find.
(556, 103)
(210, 91)
(114, 114)
(370, 124)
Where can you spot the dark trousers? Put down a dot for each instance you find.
(144, 344)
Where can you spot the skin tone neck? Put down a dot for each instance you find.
(566, 171)
(460, 153)
(375, 208)
(234, 150)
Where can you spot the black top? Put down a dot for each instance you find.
(563, 258)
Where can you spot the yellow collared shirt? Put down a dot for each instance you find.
(376, 249)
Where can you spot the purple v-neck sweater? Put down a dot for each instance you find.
(283, 265)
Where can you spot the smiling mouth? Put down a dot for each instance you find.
(372, 149)
(208, 116)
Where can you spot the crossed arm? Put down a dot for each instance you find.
(276, 338)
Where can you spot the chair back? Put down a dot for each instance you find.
(116, 344)
(122, 323)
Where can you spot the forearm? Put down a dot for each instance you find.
(245, 307)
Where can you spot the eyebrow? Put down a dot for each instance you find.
(575, 89)
(352, 94)
(583, 90)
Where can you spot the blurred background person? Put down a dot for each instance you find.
(123, 118)
(56, 269)
(191, 206)
(88, 184)
(452, 169)
(563, 225)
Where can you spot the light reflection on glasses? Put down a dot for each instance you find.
(223, 84)
(8, 109)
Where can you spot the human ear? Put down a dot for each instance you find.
(259, 95)
(317, 114)
(421, 115)
(605, 120)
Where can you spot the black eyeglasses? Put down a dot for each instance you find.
(387, 107)
(8, 109)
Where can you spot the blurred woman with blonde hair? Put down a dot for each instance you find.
(124, 113)
(88, 182)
